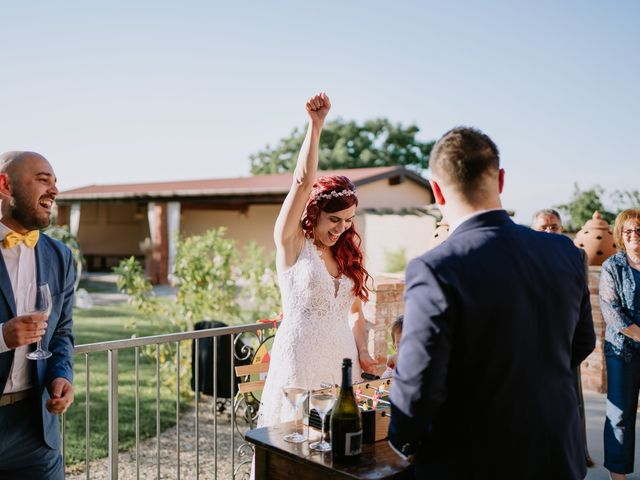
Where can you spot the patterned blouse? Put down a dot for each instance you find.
(620, 305)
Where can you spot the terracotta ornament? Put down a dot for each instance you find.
(596, 238)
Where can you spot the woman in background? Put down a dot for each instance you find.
(620, 305)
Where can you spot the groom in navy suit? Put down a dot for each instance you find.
(495, 320)
(32, 393)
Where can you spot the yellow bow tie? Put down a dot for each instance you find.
(12, 239)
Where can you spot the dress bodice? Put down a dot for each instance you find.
(314, 335)
(309, 290)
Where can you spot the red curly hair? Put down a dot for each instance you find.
(346, 250)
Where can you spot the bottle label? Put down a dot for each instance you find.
(353, 444)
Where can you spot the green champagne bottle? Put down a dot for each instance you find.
(346, 421)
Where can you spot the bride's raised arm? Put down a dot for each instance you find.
(288, 233)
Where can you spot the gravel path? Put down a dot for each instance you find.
(98, 469)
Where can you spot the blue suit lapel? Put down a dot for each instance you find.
(7, 291)
(6, 358)
(43, 263)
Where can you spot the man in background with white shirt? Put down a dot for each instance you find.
(32, 392)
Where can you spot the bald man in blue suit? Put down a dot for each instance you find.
(32, 392)
(495, 320)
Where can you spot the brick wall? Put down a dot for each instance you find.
(384, 305)
(593, 369)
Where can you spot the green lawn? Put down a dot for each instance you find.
(110, 323)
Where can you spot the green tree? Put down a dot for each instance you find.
(582, 205)
(374, 143)
(204, 275)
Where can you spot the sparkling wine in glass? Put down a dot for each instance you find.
(38, 302)
(322, 402)
(295, 396)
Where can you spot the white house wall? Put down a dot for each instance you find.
(254, 225)
(382, 195)
(389, 233)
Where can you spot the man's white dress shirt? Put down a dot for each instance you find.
(21, 266)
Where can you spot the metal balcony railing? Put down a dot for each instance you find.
(235, 333)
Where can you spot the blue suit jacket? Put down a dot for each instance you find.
(54, 265)
(495, 319)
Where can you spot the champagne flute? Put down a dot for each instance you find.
(322, 402)
(295, 396)
(38, 302)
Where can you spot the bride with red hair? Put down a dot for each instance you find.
(322, 280)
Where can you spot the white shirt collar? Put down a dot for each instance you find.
(464, 218)
(4, 230)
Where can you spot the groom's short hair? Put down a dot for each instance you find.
(462, 157)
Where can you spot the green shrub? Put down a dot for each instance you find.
(395, 260)
(259, 293)
(212, 283)
(63, 234)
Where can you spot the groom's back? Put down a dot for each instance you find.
(494, 320)
(510, 404)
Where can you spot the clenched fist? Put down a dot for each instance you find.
(24, 330)
(318, 107)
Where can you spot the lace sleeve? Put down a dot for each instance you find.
(615, 315)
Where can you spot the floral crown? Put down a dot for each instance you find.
(333, 194)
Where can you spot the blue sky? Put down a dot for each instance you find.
(140, 91)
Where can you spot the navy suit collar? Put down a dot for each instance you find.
(43, 260)
(492, 218)
(5, 287)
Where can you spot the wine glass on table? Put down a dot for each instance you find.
(322, 401)
(38, 302)
(322, 396)
(296, 396)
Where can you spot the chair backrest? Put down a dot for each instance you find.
(244, 373)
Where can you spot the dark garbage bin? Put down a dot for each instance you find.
(223, 362)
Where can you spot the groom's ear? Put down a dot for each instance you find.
(437, 192)
(500, 180)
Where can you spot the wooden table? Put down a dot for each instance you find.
(280, 460)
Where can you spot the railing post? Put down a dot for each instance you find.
(178, 409)
(233, 409)
(215, 408)
(157, 411)
(113, 414)
(87, 417)
(196, 355)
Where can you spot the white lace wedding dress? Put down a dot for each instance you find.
(314, 335)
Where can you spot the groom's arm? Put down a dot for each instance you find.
(419, 384)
